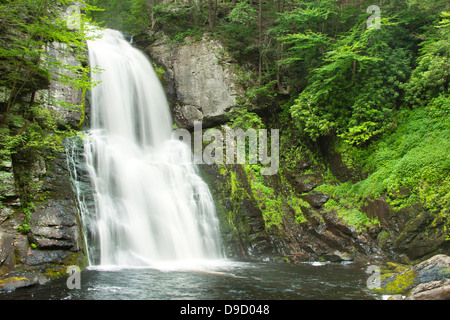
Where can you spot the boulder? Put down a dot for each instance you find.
(433, 269)
(307, 182)
(338, 256)
(21, 279)
(201, 81)
(315, 199)
(426, 280)
(434, 290)
(54, 226)
(6, 249)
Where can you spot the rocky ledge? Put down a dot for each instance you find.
(54, 240)
(428, 280)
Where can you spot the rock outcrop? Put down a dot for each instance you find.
(428, 280)
(242, 223)
(61, 98)
(411, 233)
(201, 81)
(40, 240)
(55, 237)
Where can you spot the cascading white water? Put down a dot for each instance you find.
(150, 204)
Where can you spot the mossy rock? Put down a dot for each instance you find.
(444, 272)
(54, 272)
(399, 283)
(436, 268)
(20, 279)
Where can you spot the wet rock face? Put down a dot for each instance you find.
(242, 223)
(55, 223)
(201, 83)
(55, 226)
(412, 231)
(6, 250)
(54, 240)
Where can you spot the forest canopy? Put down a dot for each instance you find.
(342, 76)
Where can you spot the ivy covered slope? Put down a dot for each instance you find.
(44, 77)
(363, 114)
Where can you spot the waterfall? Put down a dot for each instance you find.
(150, 203)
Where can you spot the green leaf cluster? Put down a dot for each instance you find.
(30, 127)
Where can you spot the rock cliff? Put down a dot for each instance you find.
(201, 81)
(40, 228)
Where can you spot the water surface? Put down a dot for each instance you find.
(227, 281)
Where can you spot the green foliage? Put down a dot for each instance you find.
(116, 14)
(30, 129)
(238, 32)
(244, 14)
(269, 202)
(350, 214)
(27, 210)
(244, 119)
(431, 78)
(355, 91)
(439, 107)
(414, 156)
(25, 64)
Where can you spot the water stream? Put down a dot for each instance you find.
(150, 204)
(227, 281)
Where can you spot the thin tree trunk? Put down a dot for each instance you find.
(260, 41)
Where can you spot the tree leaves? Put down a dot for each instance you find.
(26, 66)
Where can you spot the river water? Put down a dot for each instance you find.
(224, 281)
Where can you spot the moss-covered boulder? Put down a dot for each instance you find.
(21, 279)
(427, 275)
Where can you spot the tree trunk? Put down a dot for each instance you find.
(212, 12)
(260, 41)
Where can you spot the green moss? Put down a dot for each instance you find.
(269, 202)
(55, 272)
(12, 280)
(350, 213)
(400, 283)
(282, 259)
(296, 204)
(444, 272)
(77, 259)
(230, 192)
